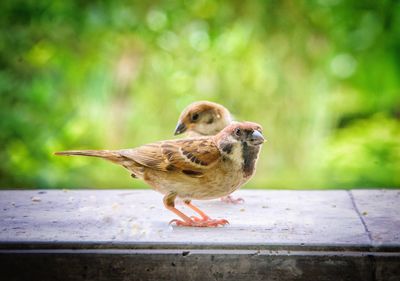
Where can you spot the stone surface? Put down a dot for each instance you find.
(380, 211)
(266, 218)
(274, 235)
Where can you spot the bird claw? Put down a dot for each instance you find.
(230, 200)
(196, 219)
(198, 222)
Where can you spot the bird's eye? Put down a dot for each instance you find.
(195, 117)
(238, 132)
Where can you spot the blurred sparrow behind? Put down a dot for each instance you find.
(192, 168)
(203, 118)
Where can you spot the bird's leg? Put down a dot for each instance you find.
(169, 203)
(230, 200)
(197, 210)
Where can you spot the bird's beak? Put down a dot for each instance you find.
(257, 138)
(180, 128)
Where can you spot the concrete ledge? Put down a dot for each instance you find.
(274, 235)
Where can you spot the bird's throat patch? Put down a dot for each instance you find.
(249, 154)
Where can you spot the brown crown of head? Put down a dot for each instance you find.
(248, 132)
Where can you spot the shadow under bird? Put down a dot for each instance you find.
(200, 168)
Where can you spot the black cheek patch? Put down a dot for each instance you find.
(227, 147)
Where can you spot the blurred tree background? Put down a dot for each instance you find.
(322, 77)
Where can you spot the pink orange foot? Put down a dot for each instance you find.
(197, 222)
(230, 200)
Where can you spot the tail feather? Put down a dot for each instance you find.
(111, 155)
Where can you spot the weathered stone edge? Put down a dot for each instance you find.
(107, 245)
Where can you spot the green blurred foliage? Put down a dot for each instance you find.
(322, 77)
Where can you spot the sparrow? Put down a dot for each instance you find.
(205, 118)
(199, 168)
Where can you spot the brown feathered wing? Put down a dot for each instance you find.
(190, 156)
